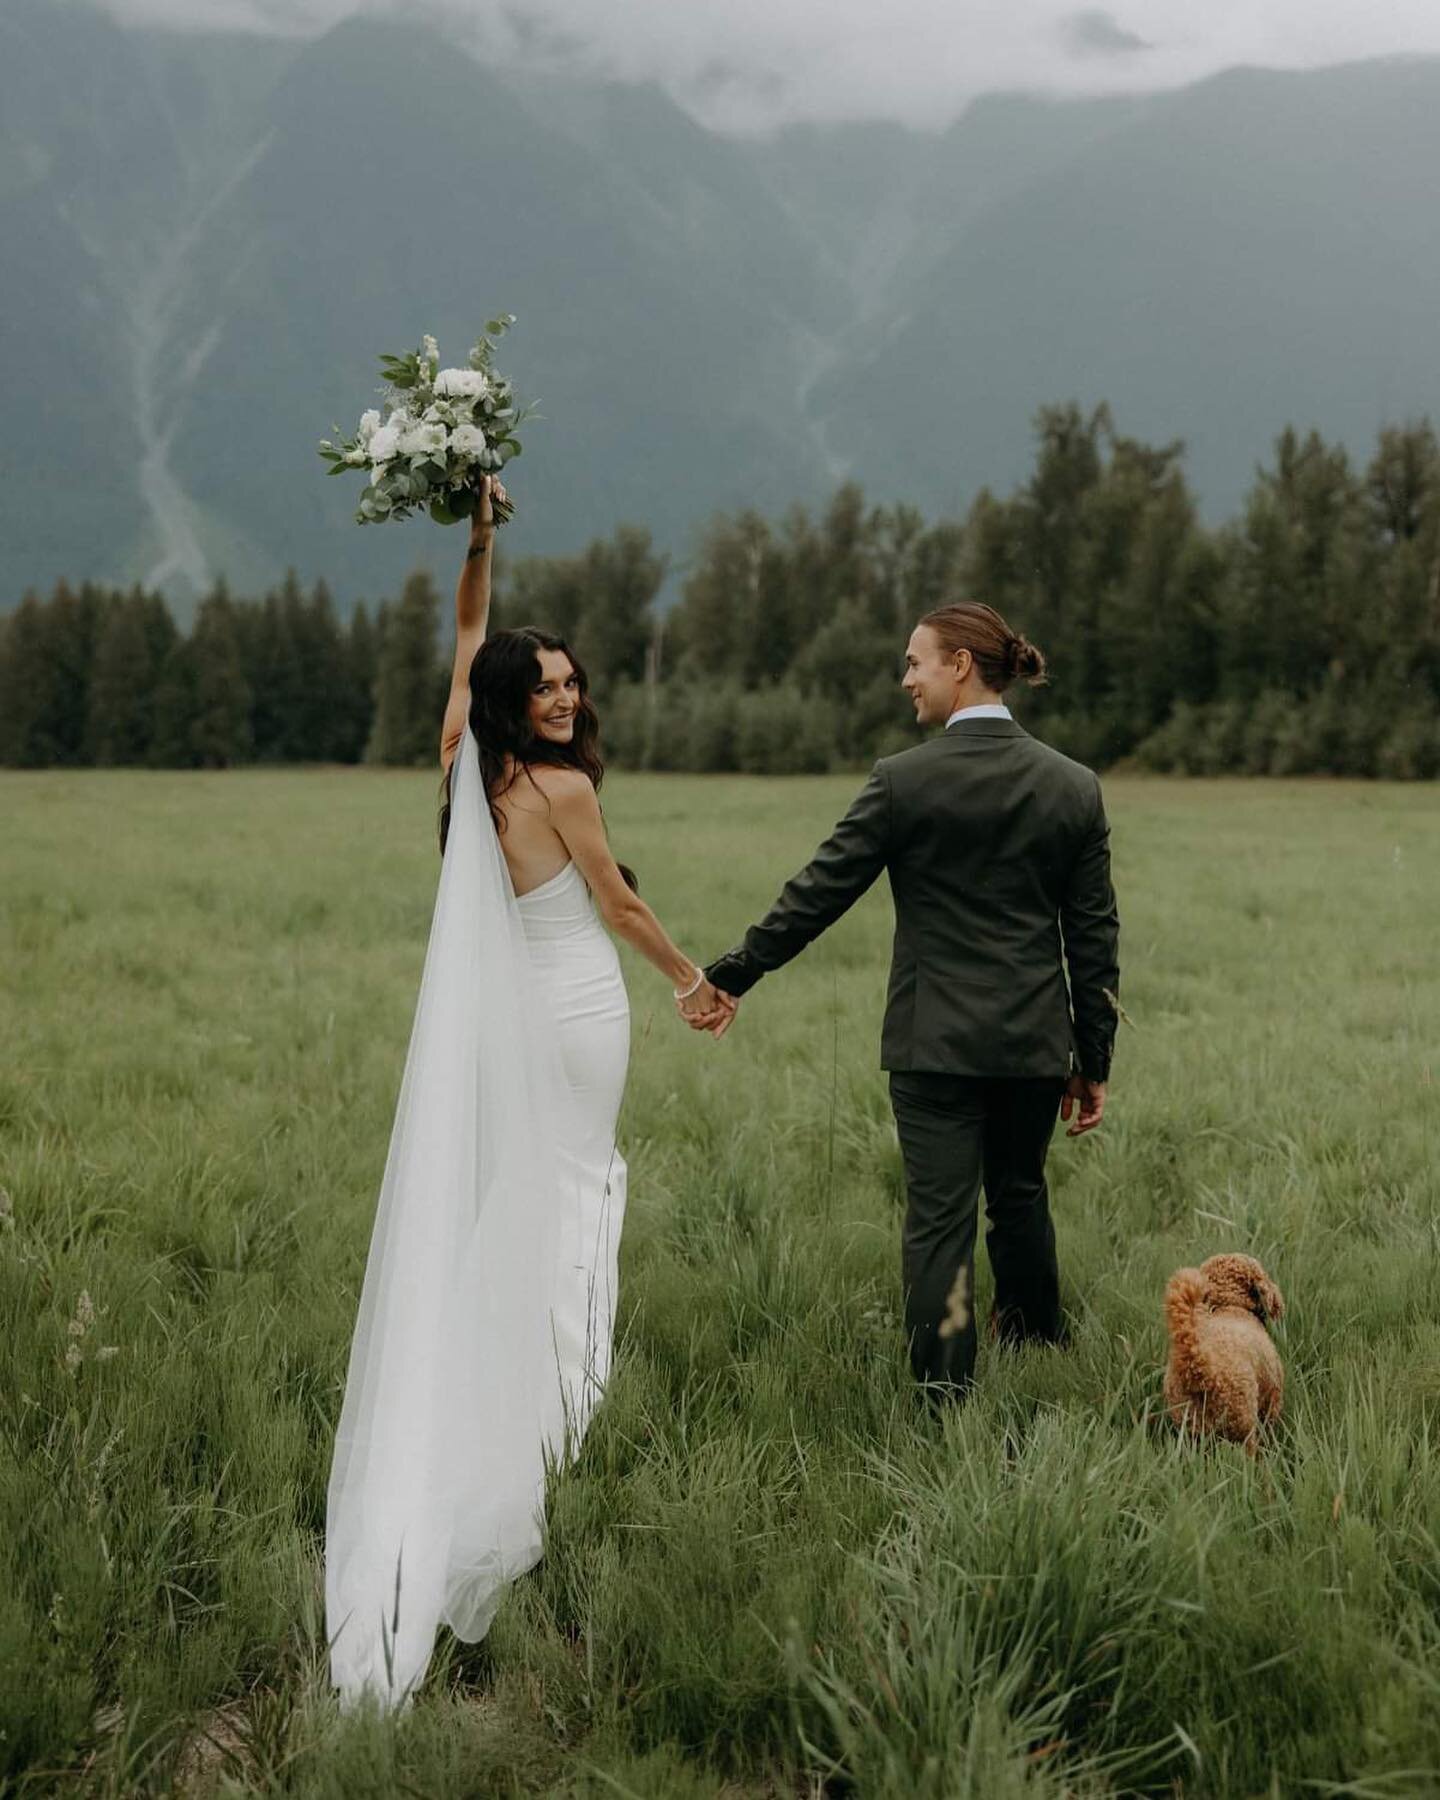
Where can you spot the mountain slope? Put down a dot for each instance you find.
(1255, 250)
(211, 238)
(404, 190)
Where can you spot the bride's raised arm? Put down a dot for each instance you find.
(472, 616)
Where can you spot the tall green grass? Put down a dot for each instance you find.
(770, 1572)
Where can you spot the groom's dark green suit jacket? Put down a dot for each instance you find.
(998, 852)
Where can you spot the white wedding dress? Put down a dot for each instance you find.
(483, 1334)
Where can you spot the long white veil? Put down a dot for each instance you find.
(453, 1400)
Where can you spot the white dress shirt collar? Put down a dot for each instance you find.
(996, 711)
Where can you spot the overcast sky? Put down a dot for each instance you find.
(750, 64)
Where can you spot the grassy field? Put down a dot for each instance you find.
(768, 1574)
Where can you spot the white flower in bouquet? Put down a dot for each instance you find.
(448, 425)
(384, 443)
(422, 440)
(462, 384)
(467, 440)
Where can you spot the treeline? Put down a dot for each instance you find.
(96, 676)
(1303, 636)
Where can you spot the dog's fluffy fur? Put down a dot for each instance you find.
(1224, 1377)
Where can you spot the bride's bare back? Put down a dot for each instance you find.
(533, 849)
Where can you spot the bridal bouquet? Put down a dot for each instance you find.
(441, 430)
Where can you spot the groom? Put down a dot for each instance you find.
(997, 848)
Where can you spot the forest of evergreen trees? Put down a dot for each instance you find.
(1302, 637)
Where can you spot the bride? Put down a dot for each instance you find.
(483, 1334)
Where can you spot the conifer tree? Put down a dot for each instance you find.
(356, 710)
(406, 727)
(221, 703)
(161, 631)
(273, 668)
(172, 743)
(23, 696)
(122, 682)
(326, 678)
(60, 679)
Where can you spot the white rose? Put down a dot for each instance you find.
(432, 349)
(369, 425)
(467, 440)
(420, 439)
(384, 443)
(357, 456)
(462, 384)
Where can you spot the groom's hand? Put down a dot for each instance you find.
(725, 1013)
(708, 1009)
(1089, 1096)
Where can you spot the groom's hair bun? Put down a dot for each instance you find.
(1002, 656)
(1025, 661)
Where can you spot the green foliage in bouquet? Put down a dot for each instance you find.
(442, 429)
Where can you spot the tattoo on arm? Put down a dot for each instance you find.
(477, 550)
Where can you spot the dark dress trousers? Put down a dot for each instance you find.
(997, 849)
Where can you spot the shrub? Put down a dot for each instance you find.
(779, 732)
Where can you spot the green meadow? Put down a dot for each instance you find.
(769, 1573)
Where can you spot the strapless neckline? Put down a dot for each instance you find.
(545, 886)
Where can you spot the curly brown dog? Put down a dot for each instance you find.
(1224, 1376)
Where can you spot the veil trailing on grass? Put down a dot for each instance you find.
(453, 1402)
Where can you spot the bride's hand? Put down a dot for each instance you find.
(482, 520)
(699, 1003)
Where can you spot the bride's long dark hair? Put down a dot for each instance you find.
(503, 675)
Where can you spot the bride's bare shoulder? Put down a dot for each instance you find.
(560, 784)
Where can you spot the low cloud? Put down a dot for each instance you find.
(749, 65)
(1096, 33)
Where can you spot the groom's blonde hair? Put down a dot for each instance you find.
(1001, 655)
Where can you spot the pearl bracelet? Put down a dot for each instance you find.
(693, 988)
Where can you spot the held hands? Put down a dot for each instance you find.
(707, 1008)
(1090, 1096)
